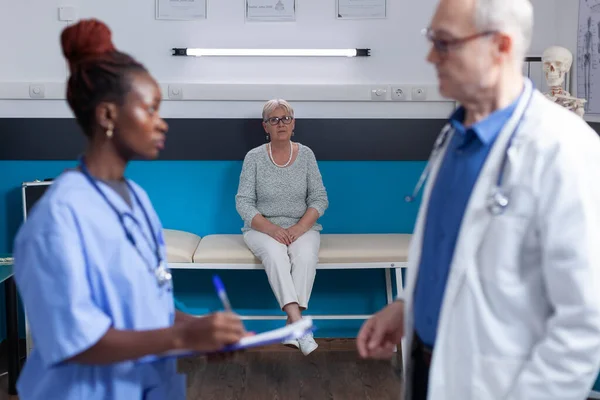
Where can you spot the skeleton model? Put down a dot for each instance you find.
(557, 62)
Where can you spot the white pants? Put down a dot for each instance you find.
(290, 269)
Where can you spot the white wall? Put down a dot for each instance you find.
(398, 48)
(30, 32)
(567, 24)
(567, 16)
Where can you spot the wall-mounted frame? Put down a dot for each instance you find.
(270, 10)
(361, 9)
(189, 10)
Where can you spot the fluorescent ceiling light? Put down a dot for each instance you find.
(272, 52)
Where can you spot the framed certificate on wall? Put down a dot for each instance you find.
(361, 9)
(270, 10)
(183, 10)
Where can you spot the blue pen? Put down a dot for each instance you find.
(220, 288)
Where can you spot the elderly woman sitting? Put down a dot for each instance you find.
(280, 197)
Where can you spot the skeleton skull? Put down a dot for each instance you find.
(557, 62)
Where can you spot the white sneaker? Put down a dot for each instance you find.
(307, 344)
(291, 343)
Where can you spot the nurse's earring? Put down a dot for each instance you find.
(109, 131)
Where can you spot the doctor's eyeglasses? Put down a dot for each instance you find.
(443, 46)
(275, 120)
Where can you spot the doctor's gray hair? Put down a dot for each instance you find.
(513, 17)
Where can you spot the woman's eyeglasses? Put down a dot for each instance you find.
(275, 120)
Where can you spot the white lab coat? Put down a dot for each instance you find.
(520, 318)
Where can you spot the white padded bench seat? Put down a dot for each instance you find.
(335, 249)
(181, 245)
(388, 251)
(186, 247)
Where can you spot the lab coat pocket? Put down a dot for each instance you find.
(494, 375)
(506, 235)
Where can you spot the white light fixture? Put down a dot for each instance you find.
(271, 52)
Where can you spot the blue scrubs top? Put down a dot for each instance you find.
(77, 276)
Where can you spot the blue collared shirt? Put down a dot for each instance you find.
(462, 163)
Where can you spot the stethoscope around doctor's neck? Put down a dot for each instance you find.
(160, 272)
(498, 198)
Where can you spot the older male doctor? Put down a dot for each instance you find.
(503, 289)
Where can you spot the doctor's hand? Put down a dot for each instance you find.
(382, 332)
(210, 333)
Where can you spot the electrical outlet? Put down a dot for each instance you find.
(419, 94)
(379, 93)
(67, 13)
(399, 93)
(37, 91)
(175, 92)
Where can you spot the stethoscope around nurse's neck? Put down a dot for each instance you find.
(160, 272)
(498, 198)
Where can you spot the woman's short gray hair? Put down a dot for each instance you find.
(272, 105)
(514, 17)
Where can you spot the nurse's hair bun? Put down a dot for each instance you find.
(87, 41)
(99, 72)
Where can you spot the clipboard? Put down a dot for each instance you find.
(275, 336)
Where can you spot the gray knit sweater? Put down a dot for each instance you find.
(281, 195)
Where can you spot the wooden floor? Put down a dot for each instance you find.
(333, 371)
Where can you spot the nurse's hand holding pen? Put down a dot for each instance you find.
(209, 333)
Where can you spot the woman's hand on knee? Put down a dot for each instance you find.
(280, 234)
(295, 231)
